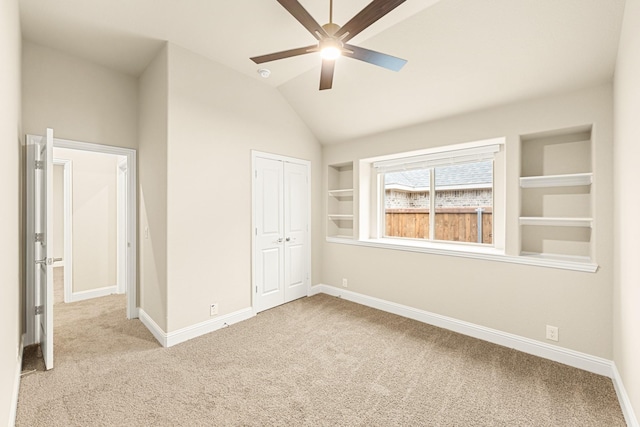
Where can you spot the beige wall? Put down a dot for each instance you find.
(216, 117)
(80, 100)
(513, 298)
(94, 216)
(626, 312)
(10, 213)
(58, 211)
(152, 174)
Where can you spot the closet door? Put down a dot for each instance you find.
(269, 239)
(296, 202)
(281, 221)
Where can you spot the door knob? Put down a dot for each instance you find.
(288, 239)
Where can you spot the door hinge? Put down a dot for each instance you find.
(39, 237)
(39, 164)
(256, 289)
(39, 309)
(256, 173)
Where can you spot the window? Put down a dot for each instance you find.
(450, 198)
(460, 211)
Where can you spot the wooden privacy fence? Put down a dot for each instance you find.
(452, 224)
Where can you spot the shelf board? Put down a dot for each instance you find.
(556, 222)
(558, 257)
(341, 236)
(566, 180)
(341, 216)
(346, 192)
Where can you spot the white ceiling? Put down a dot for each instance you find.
(462, 55)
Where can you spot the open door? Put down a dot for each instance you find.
(40, 241)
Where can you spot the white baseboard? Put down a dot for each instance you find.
(573, 358)
(193, 331)
(93, 293)
(16, 385)
(623, 398)
(153, 327)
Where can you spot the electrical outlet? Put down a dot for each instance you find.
(552, 333)
(345, 283)
(214, 309)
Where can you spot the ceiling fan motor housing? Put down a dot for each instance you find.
(331, 28)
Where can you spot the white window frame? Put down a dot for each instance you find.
(372, 194)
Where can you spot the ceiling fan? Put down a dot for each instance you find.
(332, 38)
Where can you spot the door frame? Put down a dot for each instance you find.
(121, 194)
(130, 217)
(68, 229)
(254, 155)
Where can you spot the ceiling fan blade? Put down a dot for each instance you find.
(326, 75)
(372, 57)
(284, 54)
(367, 16)
(301, 14)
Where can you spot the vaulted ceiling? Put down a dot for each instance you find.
(463, 55)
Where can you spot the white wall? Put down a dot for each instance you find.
(626, 313)
(152, 174)
(80, 100)
(216, 117)
(513, 298)
(10, 212)
(94, 215)
(58, 211)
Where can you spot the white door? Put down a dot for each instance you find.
(269, 237)
(281, 243)
(296, 215)
(40, 241)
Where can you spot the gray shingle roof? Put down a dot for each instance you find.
(464, 175)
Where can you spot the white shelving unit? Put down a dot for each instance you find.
(548, 181)
(556, 220)
(340, 194)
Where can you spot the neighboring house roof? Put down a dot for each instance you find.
(467, 175)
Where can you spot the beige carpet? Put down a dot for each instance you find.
(318, 361)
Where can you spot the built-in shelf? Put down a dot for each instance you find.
(340, 193)
(556, 222)
(347, 192)
(557, 257)
(343, 236)
(341, 216)
(556, 196)
(566, 180)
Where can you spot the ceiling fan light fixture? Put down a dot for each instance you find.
(330, 53)
(330, 49)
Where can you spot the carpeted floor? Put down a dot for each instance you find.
(318, 361)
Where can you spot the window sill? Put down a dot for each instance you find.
(473, 252)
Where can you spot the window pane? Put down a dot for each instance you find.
(464, 202)
(406, 204)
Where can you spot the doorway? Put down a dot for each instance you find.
(281, 264)
(90, 238)
(126, 199)
(126, 253)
